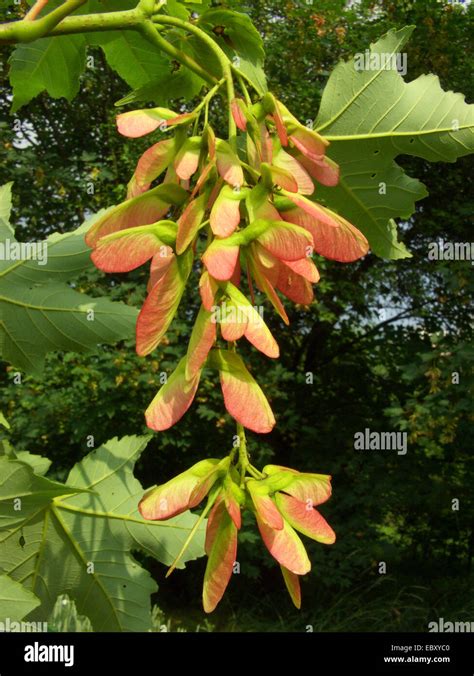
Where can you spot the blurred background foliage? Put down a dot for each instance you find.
(383, 344)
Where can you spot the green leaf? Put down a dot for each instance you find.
(253, 73)
(23, 493)
(127, 51)
(3, 421)
(51, 64)
(199, 51)
(372, 116)
(236, 30)
(92, 534)
(358, 199)
(40, 313)
(175, 8)
(180, 84)
(133, 57)
(38, 463)
(6, 203)
(240, 40)
(183, 11)
(15, 601)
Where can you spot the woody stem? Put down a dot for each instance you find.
(27, 30)
(142, 19)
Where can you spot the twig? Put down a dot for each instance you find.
(27, 31)
(152, 34)
(404, 314)
(35, 10)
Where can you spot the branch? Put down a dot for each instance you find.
(375, 329)
(35, 10)
(28, 138)
(27, 30)
(57, 23)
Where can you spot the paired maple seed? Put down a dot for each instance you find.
(258, 218)
(282, 502)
